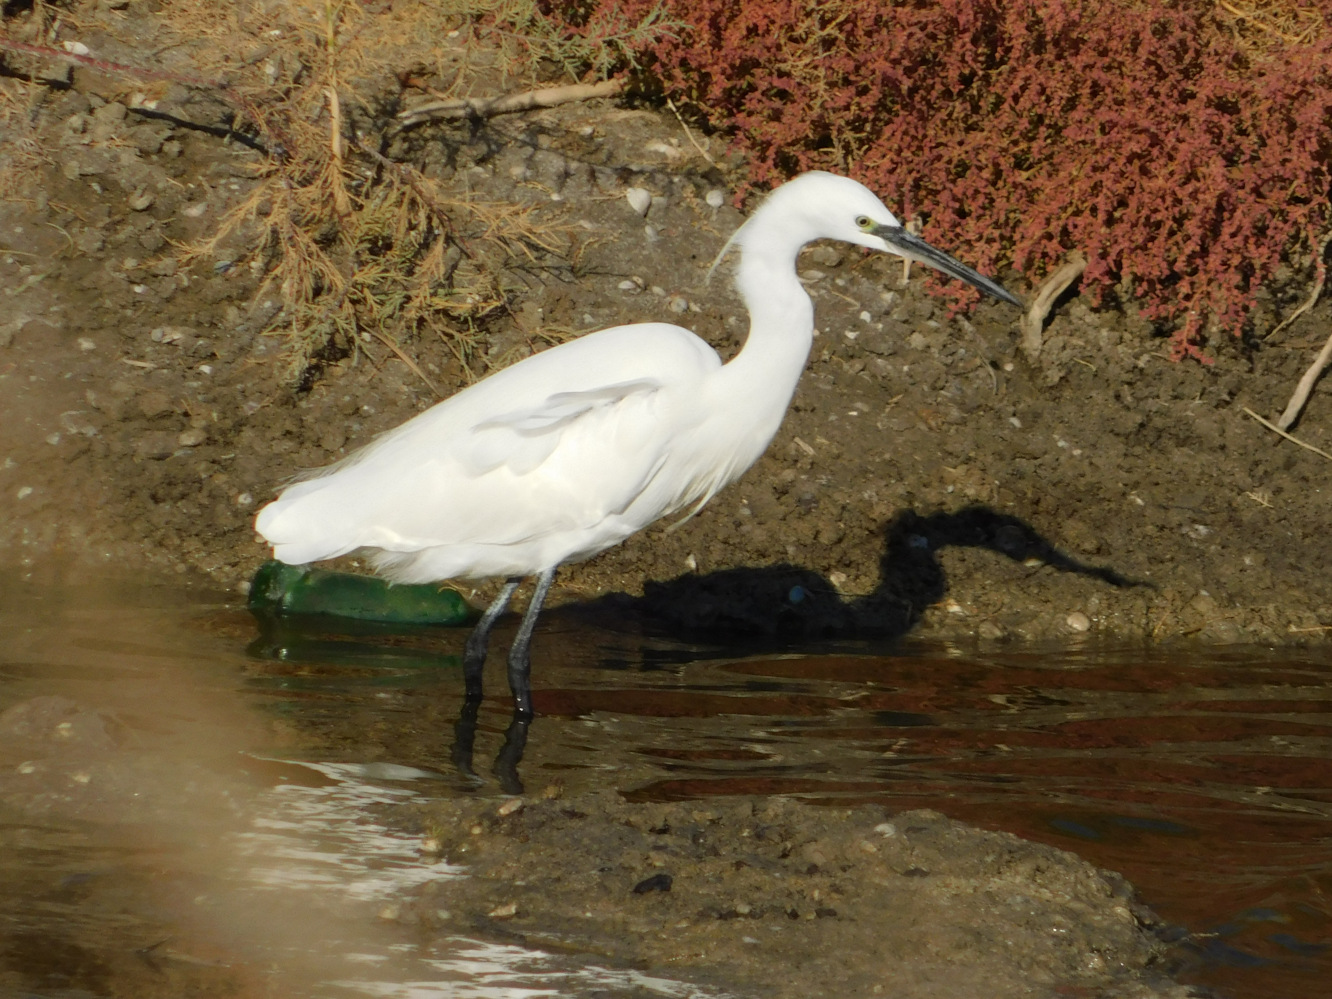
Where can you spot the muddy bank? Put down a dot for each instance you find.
(775, 898)
(928, 478)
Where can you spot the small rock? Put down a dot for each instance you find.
(153, 404)
(1078, 621)
(678, 304)
(631, 286)
(715, 198)
(824, 256)
(990, 631)
(506, 911)
(192, 437)
(639, 200)
(658, 882)
(155, 446)
(509, 807)
(141, 200)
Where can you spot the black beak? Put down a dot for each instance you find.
(914, 248)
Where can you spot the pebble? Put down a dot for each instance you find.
(678, 304)
(630, 285)
(715, 198)
(639, 200)
(192, 437)
(1078, 621)
(155, 445)
(142, 200)
(506, 911)
(509, 807)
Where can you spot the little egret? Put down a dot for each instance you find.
(568, 452)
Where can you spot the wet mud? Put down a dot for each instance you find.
(772, 897)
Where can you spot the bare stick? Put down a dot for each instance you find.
(688, 134)
(1320, 278)
(106, 66)
(474, 107)
(1302, 390)
(1033, 323)
(913, 226)
(403, 356)
(1294, 440)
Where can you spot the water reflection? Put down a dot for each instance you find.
(1200, 775)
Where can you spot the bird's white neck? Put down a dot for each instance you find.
(781, 327)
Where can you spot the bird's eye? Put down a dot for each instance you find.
(863, 222)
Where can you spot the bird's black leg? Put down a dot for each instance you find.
(511, 753)
(474, 652)
(464, 738)
(520, 660)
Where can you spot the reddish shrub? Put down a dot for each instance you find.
(1144, 133)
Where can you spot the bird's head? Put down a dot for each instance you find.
(820, 205)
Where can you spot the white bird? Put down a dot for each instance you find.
(568, 452)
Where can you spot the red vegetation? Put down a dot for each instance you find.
(1184, 163)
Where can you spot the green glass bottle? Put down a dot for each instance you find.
(280, 589)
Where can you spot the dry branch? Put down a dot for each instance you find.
(1033, 323)
(1320, 278)
(1294, 440)
(1302, 390)
(106, 65)
(474, 107)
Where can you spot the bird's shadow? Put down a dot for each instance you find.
(789, 602)
(744, 606)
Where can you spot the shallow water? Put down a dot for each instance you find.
(185, 804)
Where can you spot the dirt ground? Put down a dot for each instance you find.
(770, 897)
(928, 479)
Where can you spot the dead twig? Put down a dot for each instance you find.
(1302, 390)
(1033, 323)
(1320, 278)
(107, 66)
(406, 359)
(474, 107)
(688, 134)
(1294, 440)
(913, 226)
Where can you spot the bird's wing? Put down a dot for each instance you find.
(556, 443)
(522, 439)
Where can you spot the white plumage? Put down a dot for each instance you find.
(570, 451)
